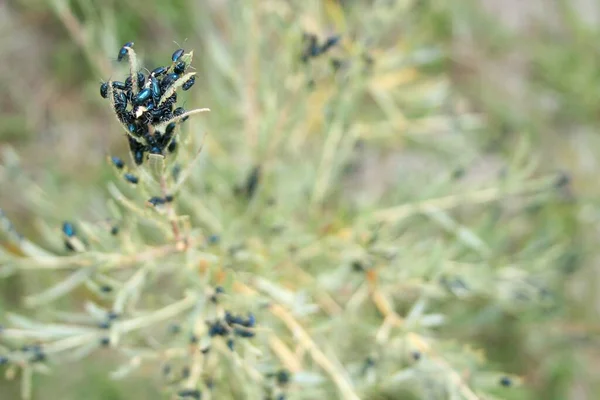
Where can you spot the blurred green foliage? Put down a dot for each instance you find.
(552, 356)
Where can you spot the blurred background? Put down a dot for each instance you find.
(532, 68)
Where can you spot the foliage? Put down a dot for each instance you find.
(303, 254)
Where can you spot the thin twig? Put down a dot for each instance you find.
(397, 213)
(103, 260)
(343, 384)
(285, 355)
(171, 214)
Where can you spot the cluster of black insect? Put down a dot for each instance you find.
(231, 326)
(32, 353)
(140, 112)
(235, 324)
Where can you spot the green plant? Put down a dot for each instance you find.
(358, 291)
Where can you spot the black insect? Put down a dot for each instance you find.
(38, 355)
(336, 64)
(155, 150)
(312, 49)
(105, 342)
(239, 320)
(329, 43)
(128, 83)
(131, 127)
(117, 162)
(134, 145)
(170, 101)
(161, 114)
(179, 111)
(138, 157)
(179, 67)
(123, 51)
(68, 229)
(131, 178)
(114, 230)
(129, 94)
(168, 80)
(124, 116)
(230, 344)
(283, 377)
(106, 289)
(141, 79)
(166, 138)
(150, 140)
(142, 96)
(231, 319)
(112, 315)
(189, 83)
(172, 146)
(177, 55)
(214, 239)
(250, 321)
(120, 102)
(190, 393)
(244, 333)
(155, 87)
(120, 85)
(170, 128)
(182, 119)
(159, 71)
(104, 90)
(505, 381)
(174, 329)
(252, 181)
(104, 325)
(217, 329)
(367, 365)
